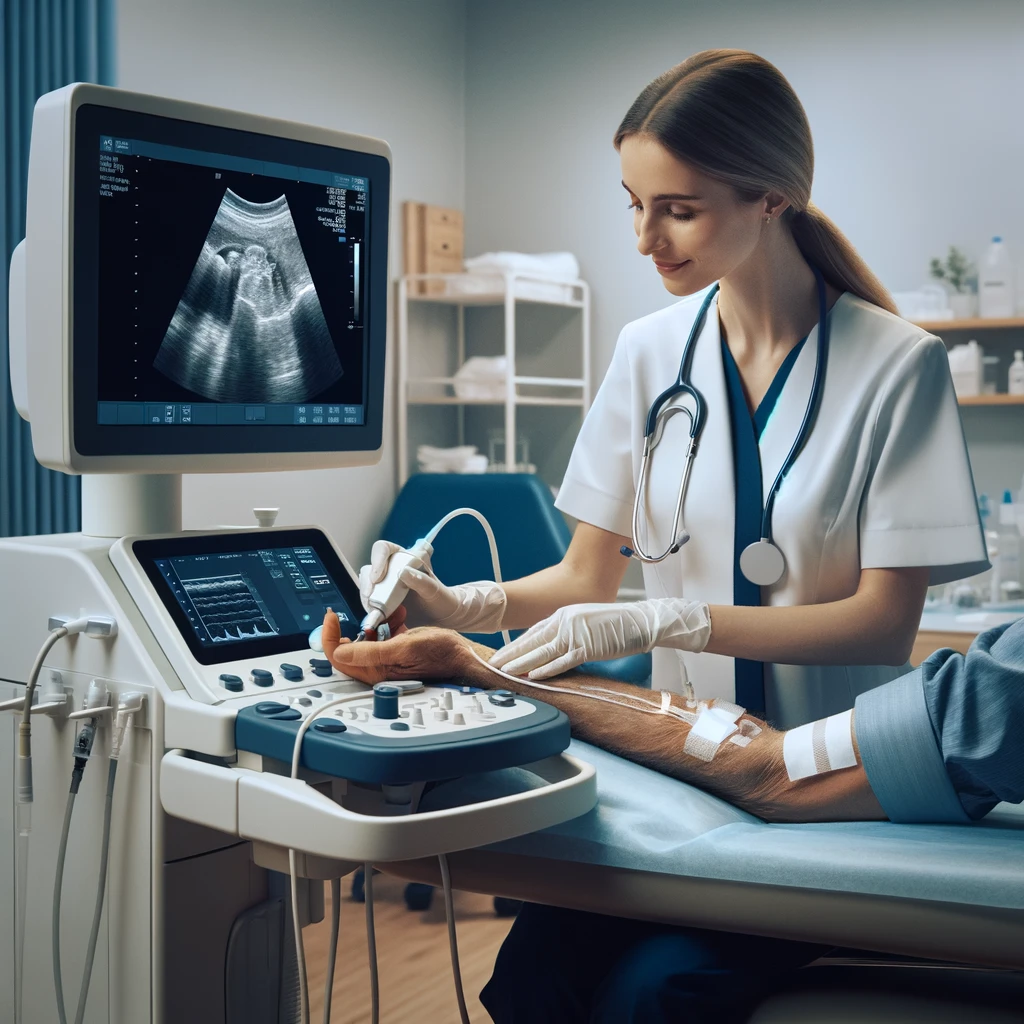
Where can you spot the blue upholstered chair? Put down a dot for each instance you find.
(530, 532)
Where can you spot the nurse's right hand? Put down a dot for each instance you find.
(475, 607)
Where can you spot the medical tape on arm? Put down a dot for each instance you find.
(819, 747)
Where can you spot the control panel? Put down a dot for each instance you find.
(233, 611)
(404, 731)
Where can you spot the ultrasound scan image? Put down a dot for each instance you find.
(249, 327)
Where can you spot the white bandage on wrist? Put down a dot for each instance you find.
(819, 747)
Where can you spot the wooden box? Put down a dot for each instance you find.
(433, 244)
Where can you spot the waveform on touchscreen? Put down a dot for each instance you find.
(249, 326)
(230, 608)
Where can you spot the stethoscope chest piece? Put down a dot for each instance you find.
(762, 563)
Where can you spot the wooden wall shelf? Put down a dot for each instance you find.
(973, 324)
(1000, 399)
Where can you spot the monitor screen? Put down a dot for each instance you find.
(238, 595)
(230, 289)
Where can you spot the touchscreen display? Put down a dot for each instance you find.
(243, 594)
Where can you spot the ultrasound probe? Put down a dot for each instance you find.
(387, 595)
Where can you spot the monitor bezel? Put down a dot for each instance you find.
(147, 551)
(170, 442)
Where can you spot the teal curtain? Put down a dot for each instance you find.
(46, 44)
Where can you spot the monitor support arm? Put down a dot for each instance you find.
(130, 504)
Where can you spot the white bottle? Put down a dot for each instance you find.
(966, 366)
(1015, 378)
(1007, 550)
(995, 282)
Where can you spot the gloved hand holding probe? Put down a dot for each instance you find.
(596, 632)
(468, 608)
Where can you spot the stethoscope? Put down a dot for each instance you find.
(762, 563)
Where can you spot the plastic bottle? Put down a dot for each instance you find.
(1015, 378)
(1008, 549)
(966, 366)
(995, 281)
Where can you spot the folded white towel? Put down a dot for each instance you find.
(462, 459)
(558, 266)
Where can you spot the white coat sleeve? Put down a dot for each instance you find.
(920, 507)
(598, 486)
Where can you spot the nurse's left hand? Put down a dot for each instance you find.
(597, 632)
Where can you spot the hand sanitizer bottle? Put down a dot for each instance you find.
(1015, 382)
(1008, 549)
(995, 282)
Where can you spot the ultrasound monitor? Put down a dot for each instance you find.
(203, 290)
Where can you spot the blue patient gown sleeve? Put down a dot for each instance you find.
(944, 743)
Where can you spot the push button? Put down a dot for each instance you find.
(293, 673)
(314, 693)
(400, 726)
(261, 677)
(328, 725)
(288, 715)
(503, 698)
(321, 666)
(270, 707)
(231, 682)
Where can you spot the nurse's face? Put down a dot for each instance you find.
(696, 229)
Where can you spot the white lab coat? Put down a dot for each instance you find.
(883, 481)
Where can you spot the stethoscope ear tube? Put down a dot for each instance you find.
(810, 415)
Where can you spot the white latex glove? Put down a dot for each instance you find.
(596, 632)
(475, 607)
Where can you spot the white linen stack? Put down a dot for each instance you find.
(461, 459)
(555, 266)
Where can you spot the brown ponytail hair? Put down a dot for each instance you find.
(733, 116)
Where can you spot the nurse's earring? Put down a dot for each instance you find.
(768, 219)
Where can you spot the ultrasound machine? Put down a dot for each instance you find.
(201, 290)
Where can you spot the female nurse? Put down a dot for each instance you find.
(876, 502)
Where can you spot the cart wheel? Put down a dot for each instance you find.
(504, 907)
(418, 896)
(358, 883)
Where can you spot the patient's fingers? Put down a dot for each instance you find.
(330, 635)
(361, 661)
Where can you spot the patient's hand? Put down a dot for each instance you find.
(425, 653)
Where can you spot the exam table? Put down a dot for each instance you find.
(660, 850)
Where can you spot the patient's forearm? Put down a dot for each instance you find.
(753, 777)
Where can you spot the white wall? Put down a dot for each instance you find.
(915, 110)
(390, 68)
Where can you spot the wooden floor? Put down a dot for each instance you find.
(412, 955)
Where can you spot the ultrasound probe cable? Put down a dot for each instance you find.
(95, 626)
(300, 951)
(390, 592)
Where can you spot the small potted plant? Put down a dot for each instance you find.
(960, 277)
